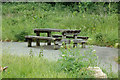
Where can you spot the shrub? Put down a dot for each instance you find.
(99, 37)
(72, 60)
(20, 36)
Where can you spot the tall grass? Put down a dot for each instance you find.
(72, 64)
(24, 66)
(27, 16)
(27, 67)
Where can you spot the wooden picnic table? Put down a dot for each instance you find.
(48, 31)
(66, 33)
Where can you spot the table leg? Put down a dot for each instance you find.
(74, 44)
(29, 42)
(49, 35)
(37, 40)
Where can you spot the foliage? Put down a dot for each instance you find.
(21, 36)
(109, 73)
(24, 66)
(117, 59)
(35, 66)
(95, 19)
(41, 52)
(74, 61)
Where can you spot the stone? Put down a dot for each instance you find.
(98, 72)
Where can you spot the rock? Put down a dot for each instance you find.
(98, 72)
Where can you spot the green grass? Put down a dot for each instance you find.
(117, 59)
(24, 17)
(24, 66)
(27, 67)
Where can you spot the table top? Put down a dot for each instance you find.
(52, 30)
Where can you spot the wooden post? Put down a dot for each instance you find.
(38, 33)
(74, 44)
(83, 45)
(37, 40)
(49, 35)
(56, 46)
(29, 42)
(75, 36)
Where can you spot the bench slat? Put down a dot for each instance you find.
(49, 30)
(74, 40)
(71, 32)
(78, 37)
(39, 37)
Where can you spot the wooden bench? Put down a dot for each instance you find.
(30, 39)
(76, 39)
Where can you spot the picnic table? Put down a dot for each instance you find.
(66, 33)
(48, 31)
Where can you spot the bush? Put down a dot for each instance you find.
(99, 37)
(73, 61)
(21, 35)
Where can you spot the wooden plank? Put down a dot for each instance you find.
(82, 37)
(79, 41)
(78, 37)
(52, 30)
(49, 30)
(71, 32)
(39, 37)
(74, 40)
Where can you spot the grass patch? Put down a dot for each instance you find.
(24, 66)
(72, 64)
(29, 67)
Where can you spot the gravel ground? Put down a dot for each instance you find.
(106, 55)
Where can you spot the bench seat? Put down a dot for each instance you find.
(78, 37)
(37, 38)
(75, 42)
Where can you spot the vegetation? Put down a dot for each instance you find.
(97, 20)
(117, 59)
(25, 66)
(72, 64)
(76, 62)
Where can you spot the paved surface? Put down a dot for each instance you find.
(106, 55)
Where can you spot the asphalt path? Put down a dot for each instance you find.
(106, 54)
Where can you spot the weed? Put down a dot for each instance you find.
(41, 52)
(31, 53)
(72, 60)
